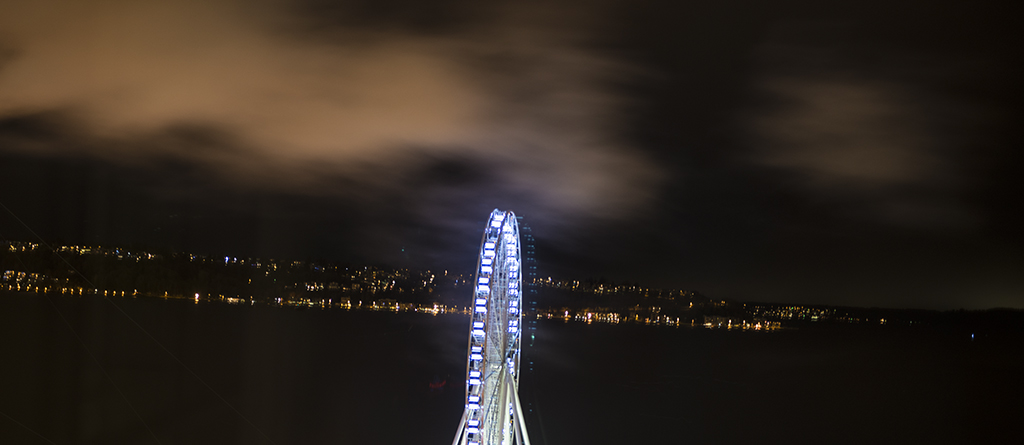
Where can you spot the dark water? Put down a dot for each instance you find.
(330, 376)
(637, 384)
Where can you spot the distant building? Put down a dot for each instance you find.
(528, 254)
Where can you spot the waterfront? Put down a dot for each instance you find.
(334, 376)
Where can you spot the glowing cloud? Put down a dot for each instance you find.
(285, 107)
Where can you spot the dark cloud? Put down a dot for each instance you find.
(867, 126)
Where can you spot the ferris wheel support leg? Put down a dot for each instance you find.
(460, 436)
(522, 436)
(504, 395)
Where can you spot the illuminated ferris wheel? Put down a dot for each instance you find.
(493, 414)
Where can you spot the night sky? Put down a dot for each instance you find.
(851, 152)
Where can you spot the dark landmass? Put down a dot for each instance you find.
(126, 272)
